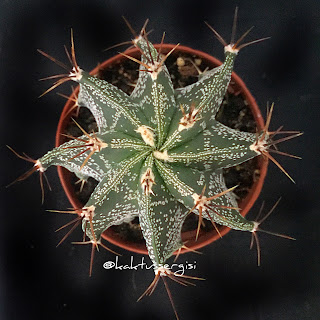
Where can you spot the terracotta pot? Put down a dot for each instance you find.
(205, 238)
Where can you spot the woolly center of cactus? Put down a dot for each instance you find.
(146, 134)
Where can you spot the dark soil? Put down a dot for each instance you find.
(234, 112)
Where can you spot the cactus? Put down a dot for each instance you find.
(158, 154)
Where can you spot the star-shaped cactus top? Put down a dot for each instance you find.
(158, 153)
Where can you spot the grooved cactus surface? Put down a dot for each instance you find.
(158, 153)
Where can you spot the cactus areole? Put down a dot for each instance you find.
(158, 154)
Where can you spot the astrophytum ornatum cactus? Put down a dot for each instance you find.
(158, 154)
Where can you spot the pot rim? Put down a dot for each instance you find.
(204, 238)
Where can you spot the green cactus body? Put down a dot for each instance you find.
(158, 154)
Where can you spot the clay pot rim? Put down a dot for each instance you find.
(205, 238)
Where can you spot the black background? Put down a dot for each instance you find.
(38, 281)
